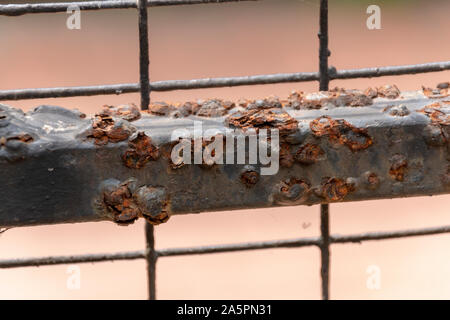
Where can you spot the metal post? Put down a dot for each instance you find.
(144, 60)
(151, 260)
(324, 53)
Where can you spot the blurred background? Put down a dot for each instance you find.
(231, 40)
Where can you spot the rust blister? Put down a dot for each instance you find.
(124, 203)
(397, 111)
(335, 189)
(342, 132)
(292, 191)
(371, 180)
(141, 150)
(399, 167)
(249, 176)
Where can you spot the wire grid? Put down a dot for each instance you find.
(145, 87)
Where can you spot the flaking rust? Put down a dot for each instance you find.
(342, 132)
(106, 129)
(273, 118)
(141, 150)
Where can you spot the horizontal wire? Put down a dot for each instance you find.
(289, 243)
(64, 92)
(21, 9)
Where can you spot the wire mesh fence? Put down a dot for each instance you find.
(145, 87)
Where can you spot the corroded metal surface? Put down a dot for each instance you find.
(61, 166)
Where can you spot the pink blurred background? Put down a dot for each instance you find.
(231, 40)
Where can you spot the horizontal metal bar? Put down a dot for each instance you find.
(21, 9)
(273, 244)
(85, 258)
(291, 243)
(64, 92)
(58, 166)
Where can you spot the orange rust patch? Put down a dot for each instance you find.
(141, 150)
(335, 189)
(340, 131)
(105, 130)
(399, 166)
(121, 204)
(309, 154)
(274, 118)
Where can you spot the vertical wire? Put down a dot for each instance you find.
(144, 60)
(144, 80)
(324, 53)
(151, 260)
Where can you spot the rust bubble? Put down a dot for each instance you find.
(335, 189)
(153, 204)
(123, 203)
(249, 176)
(141, 150)
(117, 199)
(371, 180)
(398, 111)
(292, 191)
(399, 166)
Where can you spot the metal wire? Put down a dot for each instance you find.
(223, 248)
(21, 9)
(145, 87)
(171, 85)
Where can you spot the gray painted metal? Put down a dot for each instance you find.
(53, 172)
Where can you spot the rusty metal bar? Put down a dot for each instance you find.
(21, 9)
(224, 248)
(56, 163)
(170, 85)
